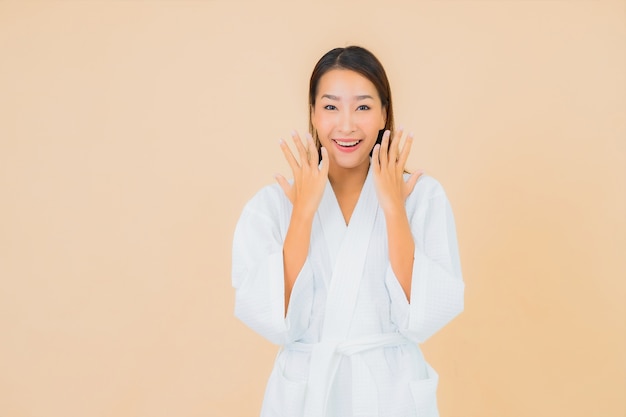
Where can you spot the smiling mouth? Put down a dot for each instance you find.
(346, 143)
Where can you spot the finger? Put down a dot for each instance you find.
(384, 149)
(304, 157)
(291, 160)
(284, 184)
(314, 158)
(406, 149)
(410, 183)
(376, 158)
(325, 163)
(394, 146)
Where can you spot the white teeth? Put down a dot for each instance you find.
(348, 144)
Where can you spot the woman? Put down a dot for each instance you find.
(353, 263)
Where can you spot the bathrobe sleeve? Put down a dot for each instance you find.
(257, 271)
(437, 287)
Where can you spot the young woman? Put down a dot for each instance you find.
(353, 263)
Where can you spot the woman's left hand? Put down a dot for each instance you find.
(388, 163)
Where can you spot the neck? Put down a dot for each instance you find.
(348, 179)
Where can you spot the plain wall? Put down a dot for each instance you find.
(133, 132)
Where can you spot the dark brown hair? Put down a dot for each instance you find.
(357, 59)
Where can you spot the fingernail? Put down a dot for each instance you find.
(293, 133)
(411, 135)
(280, 141)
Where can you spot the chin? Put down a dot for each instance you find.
(351, 163)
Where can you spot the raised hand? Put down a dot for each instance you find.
(309, 176)
(388, 164)
(309, 182)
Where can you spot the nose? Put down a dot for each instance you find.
(347, 122)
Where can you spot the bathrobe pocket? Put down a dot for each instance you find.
(424, 393)
(285, 393)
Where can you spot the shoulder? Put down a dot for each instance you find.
(426, 188)
(269, 201)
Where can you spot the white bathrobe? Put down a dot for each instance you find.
(350, 337)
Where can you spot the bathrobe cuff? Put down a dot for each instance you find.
(399, 303)
(300, 303)
(271, 320)
(436, 298)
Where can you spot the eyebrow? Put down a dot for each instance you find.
(336, 98)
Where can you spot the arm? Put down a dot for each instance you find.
(296, 248)
(424, 275)
(437, 290)
(305, 194)
(392, 190)
(257, 270)
(401, 247)
(270, 266)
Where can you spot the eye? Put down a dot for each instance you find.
(330, 107)
(363, 107)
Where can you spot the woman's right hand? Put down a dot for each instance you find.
(309, 176)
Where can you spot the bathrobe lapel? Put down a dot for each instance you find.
(346, 247)
(349, 265)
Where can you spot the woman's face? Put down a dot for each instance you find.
(347, 116)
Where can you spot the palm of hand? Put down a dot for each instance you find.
(389, 167)
(309, 176)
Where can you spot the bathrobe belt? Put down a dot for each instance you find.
(325, 358)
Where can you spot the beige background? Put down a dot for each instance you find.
(132, 133)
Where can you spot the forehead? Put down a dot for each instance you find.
(345, 84)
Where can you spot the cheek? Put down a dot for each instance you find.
(322, 123)
(383, 120)
(373, 122)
